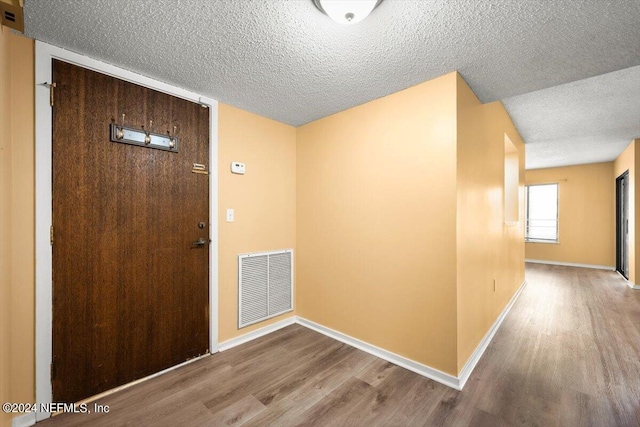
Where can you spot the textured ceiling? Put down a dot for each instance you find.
(287, 61)
(587, 121)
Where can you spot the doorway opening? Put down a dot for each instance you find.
(622, 224)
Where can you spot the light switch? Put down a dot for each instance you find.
(237, 167)
(230, 215)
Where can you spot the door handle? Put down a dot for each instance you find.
(200, 242)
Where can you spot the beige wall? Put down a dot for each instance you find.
(635, 202)
(5, 221)
(17, 257)
(489, 248)
(586, 207)
(376, 222)
(401, 222)
(368, 198)
(264, 200)
(512, 178)
(630, 160)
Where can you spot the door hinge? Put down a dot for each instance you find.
(51, 235)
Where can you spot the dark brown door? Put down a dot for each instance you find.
(130, 290)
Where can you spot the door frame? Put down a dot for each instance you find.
(44, 55)
(619, 225)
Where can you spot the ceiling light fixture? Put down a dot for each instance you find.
(346, 11)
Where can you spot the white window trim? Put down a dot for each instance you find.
(546, 242)
(556, 241)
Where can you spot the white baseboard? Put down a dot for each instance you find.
(19, 421)
(233, 342)
(30, 419)
(628, 282)
(424, 370)
(571, 264)
(25, 420)
(468, 368)
(419, 368)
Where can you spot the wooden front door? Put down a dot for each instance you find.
(130, 288)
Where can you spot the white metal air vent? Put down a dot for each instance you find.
(265, 285)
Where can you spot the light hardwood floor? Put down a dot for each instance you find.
(568, 354)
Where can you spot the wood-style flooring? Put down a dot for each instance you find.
(568, 354)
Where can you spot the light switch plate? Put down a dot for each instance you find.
(237, 167)
(230, 215)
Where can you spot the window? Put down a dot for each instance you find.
(542, 213)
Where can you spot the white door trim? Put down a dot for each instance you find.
(44, 55)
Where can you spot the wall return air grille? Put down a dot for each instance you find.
(265, 286)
